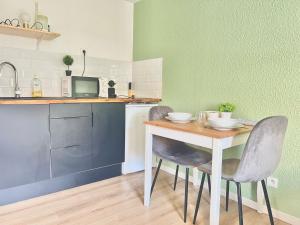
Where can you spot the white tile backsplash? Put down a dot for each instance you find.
(146, 75)
(50, 69)
(147, 78)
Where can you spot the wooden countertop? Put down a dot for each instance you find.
(196, 128)
(57, 100)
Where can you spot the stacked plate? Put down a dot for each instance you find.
(224, 124)
(179, 117)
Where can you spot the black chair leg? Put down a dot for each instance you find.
(240, 204)
(186, 193)
(227, 194)
(267, 202)
(199, 198)
(209, 184)
(176, 176)
(155, 177)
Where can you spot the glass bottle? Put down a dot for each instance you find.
(130, 90)
(36, 87)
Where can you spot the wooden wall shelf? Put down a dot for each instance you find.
(29, 33)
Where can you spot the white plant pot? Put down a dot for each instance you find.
(226, 115)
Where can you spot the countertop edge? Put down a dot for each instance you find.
(79, 100)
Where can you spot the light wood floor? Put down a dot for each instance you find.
(119, 201)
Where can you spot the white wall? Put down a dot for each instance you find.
(103, 27)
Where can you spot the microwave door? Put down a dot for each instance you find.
(85, 87)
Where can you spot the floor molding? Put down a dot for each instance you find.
(247, 202)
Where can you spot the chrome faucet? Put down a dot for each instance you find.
(17, 88)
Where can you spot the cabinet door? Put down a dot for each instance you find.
(70, 131)
(108, 140)
(24, 144)
(70, 160)
(70, 110)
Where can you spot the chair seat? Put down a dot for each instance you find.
(229, 168)
(182, 154)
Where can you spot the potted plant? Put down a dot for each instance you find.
(226, 110)
(68, 61)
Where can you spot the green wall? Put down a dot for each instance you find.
(241, 51)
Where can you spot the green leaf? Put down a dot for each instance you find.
(227, 107)
(68, 60)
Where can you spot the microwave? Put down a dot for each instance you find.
(80, 87)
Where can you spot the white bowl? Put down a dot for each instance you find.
(180, 116)
(212, 114)
(223, 122)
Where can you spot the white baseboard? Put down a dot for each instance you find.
(276, 213)
(247, 202)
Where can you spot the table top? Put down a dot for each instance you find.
(196, 128)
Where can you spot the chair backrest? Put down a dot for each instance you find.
(263, 150)
(161, 144)
(159, 112)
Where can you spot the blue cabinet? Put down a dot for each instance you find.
(86, 136)
(24, 144)
(71, 159)
(48, 148)
(108, 139)
(69, 110)
(71, 138)
(70, 131)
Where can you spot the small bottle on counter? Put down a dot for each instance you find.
(36, 87)
(130, 90)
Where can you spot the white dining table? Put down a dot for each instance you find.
(196, 134)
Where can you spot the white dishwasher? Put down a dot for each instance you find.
(136, 114)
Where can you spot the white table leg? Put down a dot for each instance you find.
(148, 167)
(196, 177)
(216, 182)
(260, 198)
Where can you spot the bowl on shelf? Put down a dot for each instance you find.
(180, 116)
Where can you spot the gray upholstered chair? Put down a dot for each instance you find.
(176, 152)
(260, 158)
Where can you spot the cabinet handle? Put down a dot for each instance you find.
(72, 146)
(49, 124)
(92, 119)
(69, 118)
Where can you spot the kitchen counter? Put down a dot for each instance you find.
(63, 100)
(48, 147)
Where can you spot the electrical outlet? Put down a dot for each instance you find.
(272, 182)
